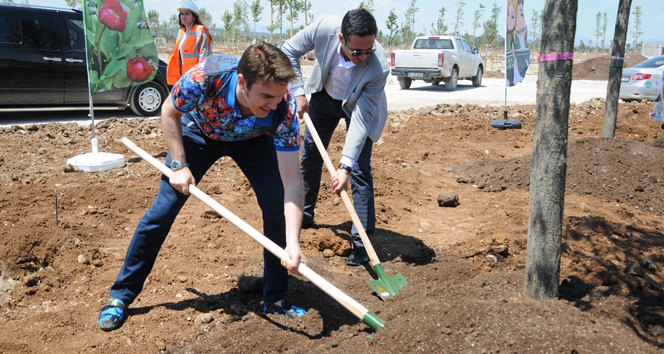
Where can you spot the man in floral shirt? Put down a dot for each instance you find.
(225, 107)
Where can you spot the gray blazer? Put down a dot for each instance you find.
(364, 100)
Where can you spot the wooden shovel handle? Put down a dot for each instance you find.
(345, 300)
(344, 196)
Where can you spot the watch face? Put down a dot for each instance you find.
(175, 165)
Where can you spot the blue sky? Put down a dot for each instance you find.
(652, 18)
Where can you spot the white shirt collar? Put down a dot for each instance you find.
(341, 61)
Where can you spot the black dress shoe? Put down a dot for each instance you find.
(358, 257)
(307, 222)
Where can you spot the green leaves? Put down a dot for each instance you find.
(109, 50)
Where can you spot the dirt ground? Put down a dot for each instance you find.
(598, 68)
(464, 264)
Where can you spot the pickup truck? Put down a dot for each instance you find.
(435, 59)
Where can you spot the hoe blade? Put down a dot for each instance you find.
(387, 287)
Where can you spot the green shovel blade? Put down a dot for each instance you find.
(387, 287)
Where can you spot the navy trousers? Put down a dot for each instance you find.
(325, 113)
(257, 159)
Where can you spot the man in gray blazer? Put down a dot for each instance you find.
(348, 81)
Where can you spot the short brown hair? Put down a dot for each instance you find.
(265, 62)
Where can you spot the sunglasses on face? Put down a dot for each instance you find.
(357, 53)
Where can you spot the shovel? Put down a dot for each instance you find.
(366, 316)
(386, 287)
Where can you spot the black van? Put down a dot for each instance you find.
(42, 65)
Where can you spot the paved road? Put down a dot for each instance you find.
(492, 93)
(420, 94)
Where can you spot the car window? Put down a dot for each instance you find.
(459, 44)
(467, 47)
(10, 30)
(433, 43)
(651, 63)
(76, 34)
(39, 32)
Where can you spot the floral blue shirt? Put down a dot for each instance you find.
(207, 93)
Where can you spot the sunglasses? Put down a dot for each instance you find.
(357, 53)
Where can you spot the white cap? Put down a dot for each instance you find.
(189, 5)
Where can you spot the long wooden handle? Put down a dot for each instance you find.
(345, 300)
(344, 196)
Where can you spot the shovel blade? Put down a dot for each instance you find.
(388, 287)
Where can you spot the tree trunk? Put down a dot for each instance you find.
(615, 72)
(547, 175)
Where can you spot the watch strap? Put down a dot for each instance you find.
(346, 167)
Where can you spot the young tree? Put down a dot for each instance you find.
(229, 25)
(604, 22)
(440, 28)
(491, 26)
(153, 22)
(409, 35)
(615, 71)
(274, 6)
(294, 8)
(256, 10)
(393, 27)
(309, 17)
(75, 4)
(598, 30)
(206, 18)
(369, 6)
(239, 18)
(636, 32)
(535, 24)
(477, 17)
(549, 164)
(459, 17)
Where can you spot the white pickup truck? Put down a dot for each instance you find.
(435, 59)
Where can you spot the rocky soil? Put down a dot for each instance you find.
(464, 264)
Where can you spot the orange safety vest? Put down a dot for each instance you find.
(178, 65)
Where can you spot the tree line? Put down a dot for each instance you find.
(239, 24)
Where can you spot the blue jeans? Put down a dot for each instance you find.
(325, 113)
(257, 159)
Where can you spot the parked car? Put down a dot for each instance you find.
(437, 59)
(43, 65)
(643, 81)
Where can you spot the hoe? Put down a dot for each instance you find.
(386, 287)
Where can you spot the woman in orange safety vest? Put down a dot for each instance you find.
(193, 45)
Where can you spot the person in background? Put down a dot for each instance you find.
(222, 107)
(193, 44)
(348, 81)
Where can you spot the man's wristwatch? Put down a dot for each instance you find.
(346, 167)
(177, 165)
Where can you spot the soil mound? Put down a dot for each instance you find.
(598, 68)
(495, 74)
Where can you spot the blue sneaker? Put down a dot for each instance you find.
(287, 308)
(112, 315)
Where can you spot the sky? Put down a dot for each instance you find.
(652, 17)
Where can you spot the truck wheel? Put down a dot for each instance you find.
(147, 99)
(477, 79)
(405, 82)
(451, 83)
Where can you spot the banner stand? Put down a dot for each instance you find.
(502, 124)
(94, 161)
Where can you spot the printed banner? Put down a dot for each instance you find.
(119, 46)
(517, 53)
